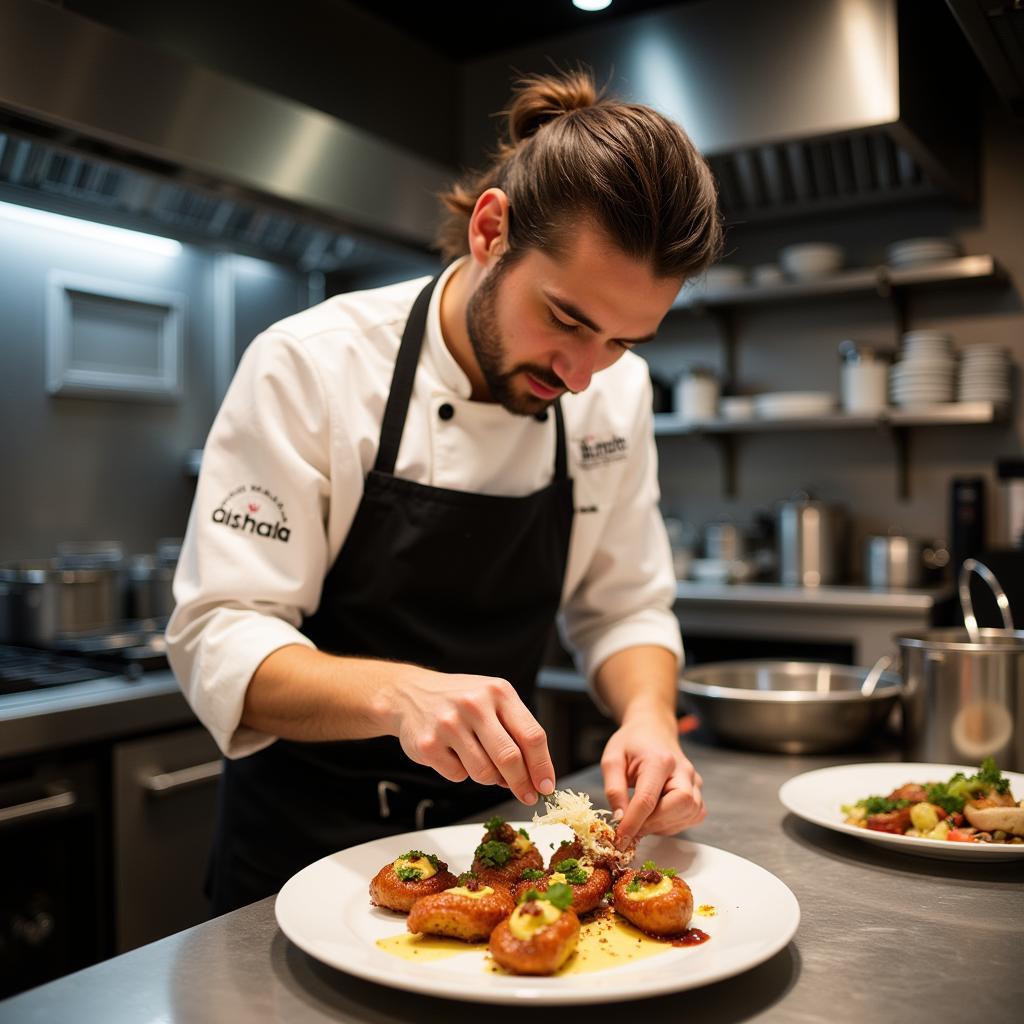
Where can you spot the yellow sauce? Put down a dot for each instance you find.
(648, 892)
(421, 864)
(606, 941)
(706, 910)
(410, 946)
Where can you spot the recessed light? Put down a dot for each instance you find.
(591, 5)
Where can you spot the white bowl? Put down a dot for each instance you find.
(736, 407)
(811, 259)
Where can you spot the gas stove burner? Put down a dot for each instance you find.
(23, 669)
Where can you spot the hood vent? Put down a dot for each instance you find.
(202, 154)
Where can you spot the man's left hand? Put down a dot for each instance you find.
(644, 754)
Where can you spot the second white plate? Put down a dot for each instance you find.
(818, 795)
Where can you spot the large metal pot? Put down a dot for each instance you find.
(810, 537)
(790, 706)
(893, 561)
(49, 603)
(150, 588)
(963, 700)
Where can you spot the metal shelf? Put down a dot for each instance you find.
(882, 280)
(948, 413)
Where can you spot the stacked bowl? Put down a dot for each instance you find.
(984, 374)
(926, 371)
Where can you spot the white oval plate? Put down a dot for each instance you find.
(817, 797)
(325, 910)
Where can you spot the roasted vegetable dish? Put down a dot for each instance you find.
(976, 808)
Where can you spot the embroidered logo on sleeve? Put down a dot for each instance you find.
(594, 451)
(253, 509)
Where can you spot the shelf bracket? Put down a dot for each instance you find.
(726, 444)
(901, 441)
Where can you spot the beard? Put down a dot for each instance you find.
(490, 351)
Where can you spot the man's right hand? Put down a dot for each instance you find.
(473, 727)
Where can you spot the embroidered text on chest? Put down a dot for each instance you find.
(594, 451)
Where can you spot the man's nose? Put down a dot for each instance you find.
(575, 368)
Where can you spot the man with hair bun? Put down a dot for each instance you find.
(455, 462)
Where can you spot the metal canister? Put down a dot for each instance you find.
(809, 539)
(963, 701)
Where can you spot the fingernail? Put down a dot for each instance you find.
(529, 798)
(546, 786)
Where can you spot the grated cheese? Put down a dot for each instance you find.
(596, 836)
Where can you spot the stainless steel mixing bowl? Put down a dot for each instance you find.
(795, 707)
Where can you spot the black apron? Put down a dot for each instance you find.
(451, 580)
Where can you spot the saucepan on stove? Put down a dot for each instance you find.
(49, 602)
(151, 578)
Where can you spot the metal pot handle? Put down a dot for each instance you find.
(867, 688)
(970, 621)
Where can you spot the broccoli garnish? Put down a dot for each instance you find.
(493, 854)
(531, 875)
(990, 777)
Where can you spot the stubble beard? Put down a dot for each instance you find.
(490, 353)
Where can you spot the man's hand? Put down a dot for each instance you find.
(472, 727)
(644, 754)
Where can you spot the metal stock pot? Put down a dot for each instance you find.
(963, 689)
(49, 603)
(963, 700)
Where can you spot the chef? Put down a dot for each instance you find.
(405, 486)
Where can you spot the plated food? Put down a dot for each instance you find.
(529, 915)
(819, 796)
(323, 910)
(977, 808)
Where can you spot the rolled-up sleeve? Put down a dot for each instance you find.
(626, 597)
(255, 552)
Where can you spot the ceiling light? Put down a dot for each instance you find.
(155, 244)
(591, 5)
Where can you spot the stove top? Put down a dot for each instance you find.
(132, 650)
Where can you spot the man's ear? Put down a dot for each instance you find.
(488, 227)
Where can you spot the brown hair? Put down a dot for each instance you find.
(573, 153)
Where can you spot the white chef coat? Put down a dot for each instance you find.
(282, 476)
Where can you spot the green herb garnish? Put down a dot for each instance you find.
(881, 804)
(524, 833)
(558, 895)
(408, 874)
(573, 871)
(531, 875)
(467, 876)
(493, 824)
(493, 853)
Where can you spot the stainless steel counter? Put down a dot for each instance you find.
(883, 937)
(87, 712)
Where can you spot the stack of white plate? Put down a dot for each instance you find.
(779, 405)
(913, 251)
(926, 371)
(984, 374)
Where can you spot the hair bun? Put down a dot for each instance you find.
(538, 99)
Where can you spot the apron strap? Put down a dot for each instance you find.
(403, 379)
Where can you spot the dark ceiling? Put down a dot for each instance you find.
(464, 29)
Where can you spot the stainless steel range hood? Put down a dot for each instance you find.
(809, 105)
(91, 115)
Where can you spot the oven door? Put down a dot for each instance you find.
(53, 893)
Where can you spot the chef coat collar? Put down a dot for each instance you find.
(452, 375)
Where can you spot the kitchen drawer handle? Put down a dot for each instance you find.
(58, 801)
(162, 783)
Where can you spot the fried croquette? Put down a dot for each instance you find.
(540, 935)
(469, 911)
(654, 900)
(504, 854)
(587, 883)
(413, 875)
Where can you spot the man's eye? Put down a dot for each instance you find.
(561, 324)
